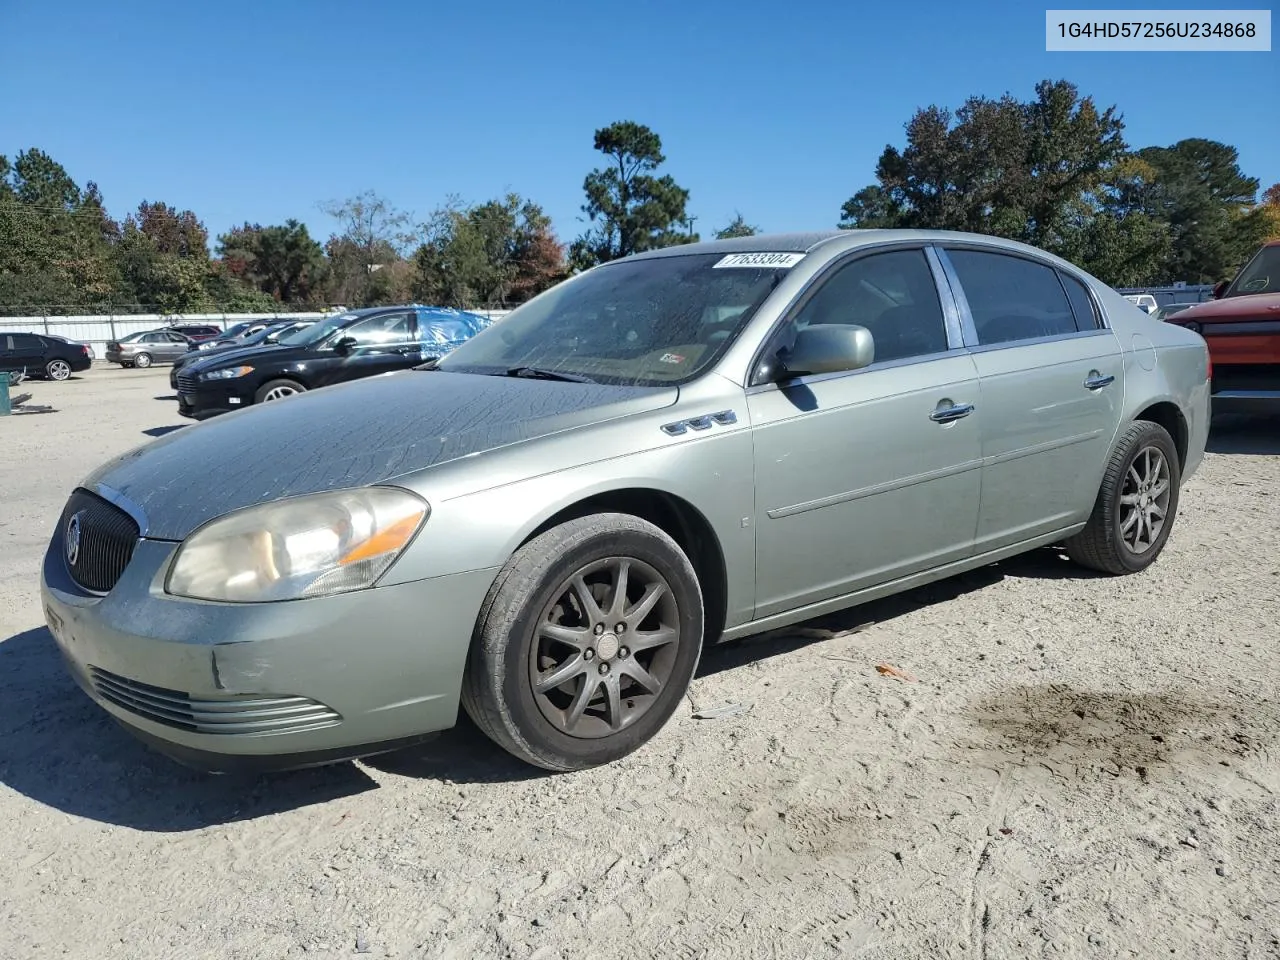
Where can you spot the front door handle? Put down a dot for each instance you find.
(953, 412)
(1097, 381)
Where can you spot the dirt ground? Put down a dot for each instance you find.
(1083, 767)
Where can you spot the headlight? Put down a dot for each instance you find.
(309, 546)
(230, 373)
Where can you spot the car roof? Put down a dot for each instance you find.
(838, 240)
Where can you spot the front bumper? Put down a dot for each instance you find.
(209, 399)
(274, 685)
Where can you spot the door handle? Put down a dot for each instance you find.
(1096, 381)
(953, 412)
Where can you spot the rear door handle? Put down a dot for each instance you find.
(1097, 381)
(953, 412)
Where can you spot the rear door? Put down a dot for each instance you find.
(1052, 383)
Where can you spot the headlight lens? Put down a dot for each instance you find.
(230, 373)
(310, 546)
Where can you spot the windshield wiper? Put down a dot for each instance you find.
(542, 373)
(429, 364)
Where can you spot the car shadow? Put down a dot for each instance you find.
(1236, 433)
(161, 431)
(1046, 563)
(60, 749)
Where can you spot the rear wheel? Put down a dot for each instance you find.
(277, 390)
(57, 370)
(142, 360)
(586, 643)
(1136, 505)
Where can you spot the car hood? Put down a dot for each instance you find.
(366, 431)
(217, 356)
(1263, 306)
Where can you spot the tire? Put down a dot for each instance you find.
(1104, 543)
(142, 361)
(278, 390)
(57, 370)
(498, 689)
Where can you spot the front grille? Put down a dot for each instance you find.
(229, 716)
(186, 382)
(97, 541)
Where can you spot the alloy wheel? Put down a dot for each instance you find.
(59, 370)
(279, 393)
(1144, 500)
(604, 647)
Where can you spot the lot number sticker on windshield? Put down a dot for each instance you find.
(755, 261)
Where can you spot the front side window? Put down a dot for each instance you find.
(383, 329)
(643, 322)
(1260, 275)
(891, 294)
(1012, 298)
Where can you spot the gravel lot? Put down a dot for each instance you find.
(1084, 767)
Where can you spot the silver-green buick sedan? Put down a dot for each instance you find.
(546, 526)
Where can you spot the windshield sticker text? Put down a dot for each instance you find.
(756, 261)
(671, 358)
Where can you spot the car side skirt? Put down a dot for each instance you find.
(824, 607)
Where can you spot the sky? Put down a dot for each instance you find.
(261, 111)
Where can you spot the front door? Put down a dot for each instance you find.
(1052, 381)
(872, 475)
(383, 343)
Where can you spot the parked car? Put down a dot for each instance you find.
(347, 346)
(254, 335)
(88, 347)
(44, 356)
(144, 349)
(1242, 328)
(547, 525)
(196, 332)
(1143, 301)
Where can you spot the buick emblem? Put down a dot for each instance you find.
(73, 539)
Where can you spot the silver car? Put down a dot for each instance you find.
(546, 526)
(148, 347)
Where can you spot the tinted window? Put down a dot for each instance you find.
(891, 294)
(1081, 303)
(1260, 275)
(153, 338)
(1012, 298)
(26, 341)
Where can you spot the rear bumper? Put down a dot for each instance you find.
(265, 686)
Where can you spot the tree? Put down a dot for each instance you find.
(374, 236)
(495, 253)
(1268, 213)
(636, 210)
(738, 227)
(282, 261)
(1199, 189)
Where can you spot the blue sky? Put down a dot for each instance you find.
(259, 111)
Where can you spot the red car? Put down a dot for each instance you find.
(196, 331)
(1242, 328)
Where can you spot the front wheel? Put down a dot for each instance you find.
(277, 390)
(142, 361)
(1136, 505)
(586, 643)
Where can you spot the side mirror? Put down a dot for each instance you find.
(345, 344)
(1220, 288)
(829, 348)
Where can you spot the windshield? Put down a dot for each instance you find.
(646, 322)
(307, 336)
(1260, 275)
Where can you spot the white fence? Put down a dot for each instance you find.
(97, 331)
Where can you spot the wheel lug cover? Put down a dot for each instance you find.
(604, 668)
(620, 628)
(599, 629)
(624, 653)
(589, 655)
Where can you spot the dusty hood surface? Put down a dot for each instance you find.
(363, 432)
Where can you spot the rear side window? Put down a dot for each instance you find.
(1081, 303)
(1012, 299)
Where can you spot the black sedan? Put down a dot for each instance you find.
(41, 356)
(346, 346)
(251, 336)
